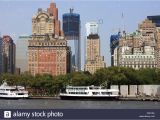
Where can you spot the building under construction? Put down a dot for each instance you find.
(71, 29)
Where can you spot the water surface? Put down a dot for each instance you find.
(76, 104)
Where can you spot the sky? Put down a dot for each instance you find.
(16, 16)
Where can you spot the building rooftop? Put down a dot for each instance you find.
(93, 36)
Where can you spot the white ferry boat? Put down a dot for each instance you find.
(89, 92)
(12, 92)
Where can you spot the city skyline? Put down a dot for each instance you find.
(21, 12)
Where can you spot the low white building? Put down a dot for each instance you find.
(138, 90)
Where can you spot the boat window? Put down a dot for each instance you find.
(96, 88)
(95, 93)
(13, 90)
(91, 88)
(20, 93)
(106, 93)
(83, 88)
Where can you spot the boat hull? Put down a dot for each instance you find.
(13, 98)
(89, 97)
(6, 97)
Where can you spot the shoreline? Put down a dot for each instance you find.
(43, 97)
(139, 99)
(120, 99)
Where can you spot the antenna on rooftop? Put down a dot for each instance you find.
(71, 10)
(123, 22)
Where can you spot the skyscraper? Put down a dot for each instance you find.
(157, 53)
(114, 41)
(48, 51)
(156, 20)
(8, 55)
(71, 28)
(22, 52)
(93, 60)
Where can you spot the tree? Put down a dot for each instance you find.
(102, 76)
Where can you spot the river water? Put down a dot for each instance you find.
(76, 104)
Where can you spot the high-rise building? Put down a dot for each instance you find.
(71, 29)
(8, 55)
(0, 55)
(156, 19)
(158, 48)
(94, 60)
(114, 41)
(22, 53)
(137, 50)
(48, 51)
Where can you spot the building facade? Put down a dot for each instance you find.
(48, 51)
(71, 29)
(8, 55)
(157, 53)
(94, 60)
(22, 53)
(114, 42)
(0, 55)
(156, 20)
(138, 50)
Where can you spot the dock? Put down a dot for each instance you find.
(140, 98)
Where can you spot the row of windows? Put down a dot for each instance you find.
(143, 63)
(140, 66)
(48, 50)
(138, 60)
(77, 88)
(60, 65)
(47, 44)
(77, 92)
(139, 57)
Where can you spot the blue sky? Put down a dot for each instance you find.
(16, 16)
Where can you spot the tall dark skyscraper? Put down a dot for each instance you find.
(71, 29)
(114, 39)
(8, 55)
(21, 52)
(155, 19)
